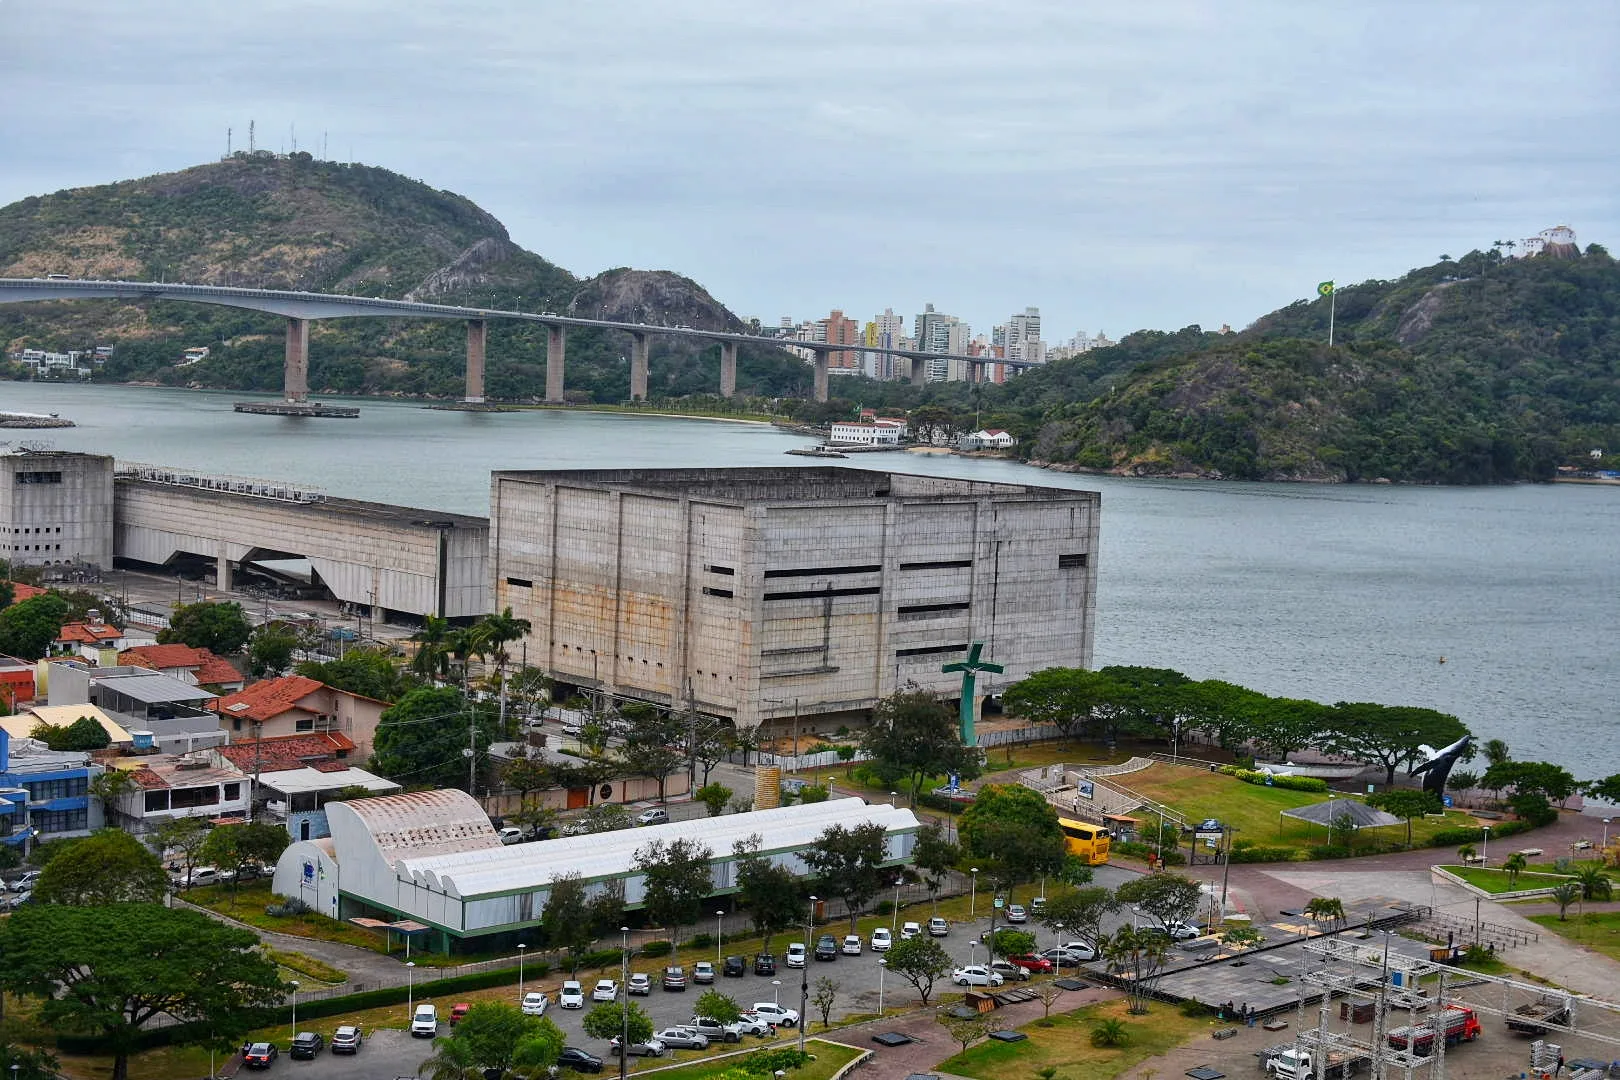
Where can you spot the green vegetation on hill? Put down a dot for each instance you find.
(296, 223)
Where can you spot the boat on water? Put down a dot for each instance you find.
(816, 451)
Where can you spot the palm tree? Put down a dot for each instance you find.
(1566, 894)
(1465, 853)
(493, 634)
(1496, 752)
(432, 660)
(1594, 883)
(1514, 864)
(1109, 1033)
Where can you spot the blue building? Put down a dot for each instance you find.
(44, 794)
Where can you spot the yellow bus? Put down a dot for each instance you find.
(1089, 842)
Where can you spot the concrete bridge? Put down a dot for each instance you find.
(301, 308)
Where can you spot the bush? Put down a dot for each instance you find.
(701, 941)
(1458, 837)
(287, 908)
(1331, 851)
(602, 958)
(1289, 783)
(658, 948)
(769, 1062)
(1194, 1009)
(884, 907)
(1172, 857)
(1254, 853)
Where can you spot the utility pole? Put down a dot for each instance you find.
(472, 751)
(258, 749)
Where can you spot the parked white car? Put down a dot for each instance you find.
(535, 1003)
(882, 939)
(780, 1015)
(606, 990)
(1017, 914)
(910, 930)
(425, 1022)
(938, 927)
(852, 945)
(795, 954)
(511, 834)
(976, 975)
(571, 996)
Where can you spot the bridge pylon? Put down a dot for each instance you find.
(295, 375)
(477, 335)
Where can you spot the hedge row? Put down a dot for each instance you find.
(1289, 783)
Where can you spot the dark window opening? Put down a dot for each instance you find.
(1072, 562)
(725, 593)
(932, 650)
(726, 570)
(816, 594)
(39, 477)
(520, 583)
(945, 564)
(816, 571)
(932, 609)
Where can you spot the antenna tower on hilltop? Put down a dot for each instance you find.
(251, 145)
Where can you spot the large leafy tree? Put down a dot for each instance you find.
(420, 738)
(1067, 698)
(933, 856)
(219, 627)
(768, 891)
(1407, 803)
(849, 863)
(185, 837)
(1388, 735)
(1167, 897)
(111, 970)
(1012, 834)
(372, 673)
(1079, 912)
(270, 649)
(107, 867)
(28, 628)
(653, 747)
(676, 877)
(921, 961)
(496, 1041)
(236, 847)
(1147, 701)
(83, 734)
(607, 1021)
(566, 918)
(914, 735)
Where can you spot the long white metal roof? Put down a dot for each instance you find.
(489, 871)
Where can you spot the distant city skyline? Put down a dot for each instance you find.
(1145, 166)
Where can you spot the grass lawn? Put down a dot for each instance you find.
(248, 906)
(1256, 810)
(1067, 1044)
(830, 1057)
(1497, 881)
(1597, 930)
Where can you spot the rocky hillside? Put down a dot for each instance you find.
(296, 223)
(1478, 370)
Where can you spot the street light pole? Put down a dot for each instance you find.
(894, 922)
(624, 1006)
(1485, 855)
(294, 983)
(410, 991)
(719, 917)
(804, 975)
(520, 972)
(883, 965)
(973, 892)
(973, 950)
(1606, 833)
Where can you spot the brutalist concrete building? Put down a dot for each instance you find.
(789, 596)
(55, 508)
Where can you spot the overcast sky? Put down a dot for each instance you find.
(1117, 164)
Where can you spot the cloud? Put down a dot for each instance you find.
(1117, 165)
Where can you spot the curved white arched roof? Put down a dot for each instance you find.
(422, 823)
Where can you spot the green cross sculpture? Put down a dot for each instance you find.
(970, 669)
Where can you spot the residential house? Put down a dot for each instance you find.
(16, 682)
(198, 667)
(44, 794)
(21, 724)
(294, 776)
(160, 711)
(986, 439)
(170, 786)
(876, 434)
(94, 640)
(295, 705)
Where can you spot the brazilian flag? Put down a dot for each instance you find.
(1325, 289)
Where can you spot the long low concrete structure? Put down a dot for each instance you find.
(432, 856)
(395, 558)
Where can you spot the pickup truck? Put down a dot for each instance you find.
(1461, 1025)
(1289, 1063)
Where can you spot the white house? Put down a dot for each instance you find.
(875, 434)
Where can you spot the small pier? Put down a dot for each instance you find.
(297, 408)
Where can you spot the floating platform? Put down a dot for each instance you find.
(33, 420)
(297, 408)
(815, 451)
(471, 406)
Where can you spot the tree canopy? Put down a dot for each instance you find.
(28, 628)
(1012, 834)
(921, 961)
(767, 890)
(107, 867)
(111, 970)
(1166, 897)
(372, 673)
(848, 862)
(220, 627)
(421, 738)
(676, 877)
(913, 736)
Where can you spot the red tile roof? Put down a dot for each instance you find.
(84, 633)
(288, 752)
(209, 669)
(267, 699)
(21, 592)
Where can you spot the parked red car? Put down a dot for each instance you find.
(1040, 965)
(457, 1012)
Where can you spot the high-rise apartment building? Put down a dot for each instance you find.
(838, 329)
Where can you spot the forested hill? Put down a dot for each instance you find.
(292, 222)
(1477, 370)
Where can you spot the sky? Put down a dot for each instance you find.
(1118, 165)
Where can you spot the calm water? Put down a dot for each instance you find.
(1327, 592)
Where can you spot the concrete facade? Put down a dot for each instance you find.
(56, 507)
(779, 593)
(418, 562)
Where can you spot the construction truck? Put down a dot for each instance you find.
(1292, 1063)
(1532, 1019)
(1459, 1021)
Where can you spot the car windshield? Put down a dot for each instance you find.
(259, 1048)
